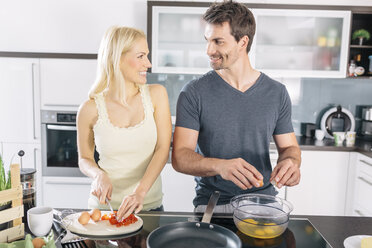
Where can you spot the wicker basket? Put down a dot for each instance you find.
(15, 213)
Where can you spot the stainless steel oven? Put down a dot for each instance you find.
(59, 147)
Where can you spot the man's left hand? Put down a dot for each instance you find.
(286, 173)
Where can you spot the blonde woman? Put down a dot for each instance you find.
(128, 121)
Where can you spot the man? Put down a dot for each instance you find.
(226, 118)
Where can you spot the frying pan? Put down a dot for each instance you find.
(194, 234)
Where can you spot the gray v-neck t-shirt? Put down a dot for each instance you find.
(233, 124)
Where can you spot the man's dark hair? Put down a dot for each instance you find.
(239, 17)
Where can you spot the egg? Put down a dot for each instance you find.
(95, 214)
(38, 242)
(84, 218)
(261, 183)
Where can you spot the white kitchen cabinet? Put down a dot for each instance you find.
(65, 82)
(66, 192)
(362, 201)
(20, 115)
(64, 26)
(323, 186)
(301, 43)
(19, 101)
(178, 190)
(288, 42)
(178, 44)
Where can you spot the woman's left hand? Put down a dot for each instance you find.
(132, 203)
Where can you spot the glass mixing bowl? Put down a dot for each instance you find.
(261, 216)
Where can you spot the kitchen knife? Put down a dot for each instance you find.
(112, 211)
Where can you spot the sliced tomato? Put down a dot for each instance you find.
(113, 221)
(126, 222)
(105, 217)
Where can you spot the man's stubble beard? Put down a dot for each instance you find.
(219, 66)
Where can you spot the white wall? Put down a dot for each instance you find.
(310, 2)
(67, 26)
(76, 26)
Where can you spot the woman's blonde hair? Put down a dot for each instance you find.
(116, 41)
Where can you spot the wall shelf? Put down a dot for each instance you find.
(360, 53)
(361, 47)
(365, 76)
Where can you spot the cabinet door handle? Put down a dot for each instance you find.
(64, 128)
(35, 149)
(363, 161)
(61, 105)
(359, 212)
(33, 100)
(365, 180)
(69, 183)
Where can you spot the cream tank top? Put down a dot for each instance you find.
(124, 154)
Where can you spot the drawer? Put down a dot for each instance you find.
(364, 191)
(360, 211)
(64, 192)
(365, 165)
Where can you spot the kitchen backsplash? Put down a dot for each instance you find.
(310, 96)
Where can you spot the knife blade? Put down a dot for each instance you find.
(112, 211)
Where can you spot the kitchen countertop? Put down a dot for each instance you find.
(335, 229)
(311, 144)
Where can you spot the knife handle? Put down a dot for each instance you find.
(58, 231)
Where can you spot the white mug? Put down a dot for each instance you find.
(350, 138)
(319, 134)
(40, 220)
(339, 138)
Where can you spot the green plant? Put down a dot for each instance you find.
(361, 33)
(4, 184)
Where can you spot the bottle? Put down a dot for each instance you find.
(358, 58)
(359, 70)
(352, 67)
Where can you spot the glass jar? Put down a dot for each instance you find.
(28, 182)
(352, 67)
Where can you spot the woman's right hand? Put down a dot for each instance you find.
(102, 187)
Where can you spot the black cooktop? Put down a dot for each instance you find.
(300, 233)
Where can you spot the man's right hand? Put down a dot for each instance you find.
(102, 187)
(240, 172)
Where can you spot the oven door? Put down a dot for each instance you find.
(59, 153)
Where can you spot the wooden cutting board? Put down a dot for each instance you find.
(101, 228)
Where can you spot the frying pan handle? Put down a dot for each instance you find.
(210, 207)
